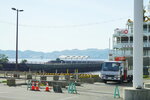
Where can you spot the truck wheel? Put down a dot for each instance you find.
(120, 81)
(129, 80)
(105, 81)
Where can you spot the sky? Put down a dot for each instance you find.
(55, 25)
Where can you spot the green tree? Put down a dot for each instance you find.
(58, 59)
(23, 61)
(3, 58)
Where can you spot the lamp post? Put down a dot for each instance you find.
(17, 10)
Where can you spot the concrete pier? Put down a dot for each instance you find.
(136, 94)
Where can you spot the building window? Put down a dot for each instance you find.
(148, 28)
(145, 38)
(118, 39)
(131, 39)
(124, 39)
(145, 28)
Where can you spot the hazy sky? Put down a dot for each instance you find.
(49, 25)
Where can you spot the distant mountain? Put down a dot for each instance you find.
(93, 53)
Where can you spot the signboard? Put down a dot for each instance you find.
(120, 58)
(124, 31)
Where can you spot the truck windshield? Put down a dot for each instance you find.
(110, 66)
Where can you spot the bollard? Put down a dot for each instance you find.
(29, 84)
(67, 71)
(116, 92)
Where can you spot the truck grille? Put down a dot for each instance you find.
(109, 75)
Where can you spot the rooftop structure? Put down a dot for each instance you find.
(74, 57)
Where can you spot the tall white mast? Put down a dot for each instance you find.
(138, 45)
(148, 8)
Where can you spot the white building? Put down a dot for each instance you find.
(123, 42)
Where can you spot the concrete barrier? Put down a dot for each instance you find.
(87, 80)
(29, 76)
(43, 78)
(136, 94)
(63, 84)
(11, 82)
(97, 79)
(55, 77)
(67, 77)
(57, 89)
(16, 76)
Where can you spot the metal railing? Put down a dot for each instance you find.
(129, 45)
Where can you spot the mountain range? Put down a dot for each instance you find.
(92, 53)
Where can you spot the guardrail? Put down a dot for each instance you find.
(80, 75)
(71, 74)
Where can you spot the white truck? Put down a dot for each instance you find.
(116, 71)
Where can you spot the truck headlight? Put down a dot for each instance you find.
(103, 76)
(117, 76)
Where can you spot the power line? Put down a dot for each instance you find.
(67, 26)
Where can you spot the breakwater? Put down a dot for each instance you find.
(53, 67)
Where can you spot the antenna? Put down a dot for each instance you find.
(109, 50)
(109, 45)
(148, 7)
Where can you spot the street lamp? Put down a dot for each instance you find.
(17, 36)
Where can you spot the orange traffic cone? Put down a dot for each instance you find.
(37, 86)
(47, 87)
(32, 87)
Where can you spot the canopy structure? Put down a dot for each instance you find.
(74, 57)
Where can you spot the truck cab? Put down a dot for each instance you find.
(115, 71)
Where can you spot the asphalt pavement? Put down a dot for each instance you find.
(96, 91)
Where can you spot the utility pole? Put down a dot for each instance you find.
(138, 45)
(17, 10)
